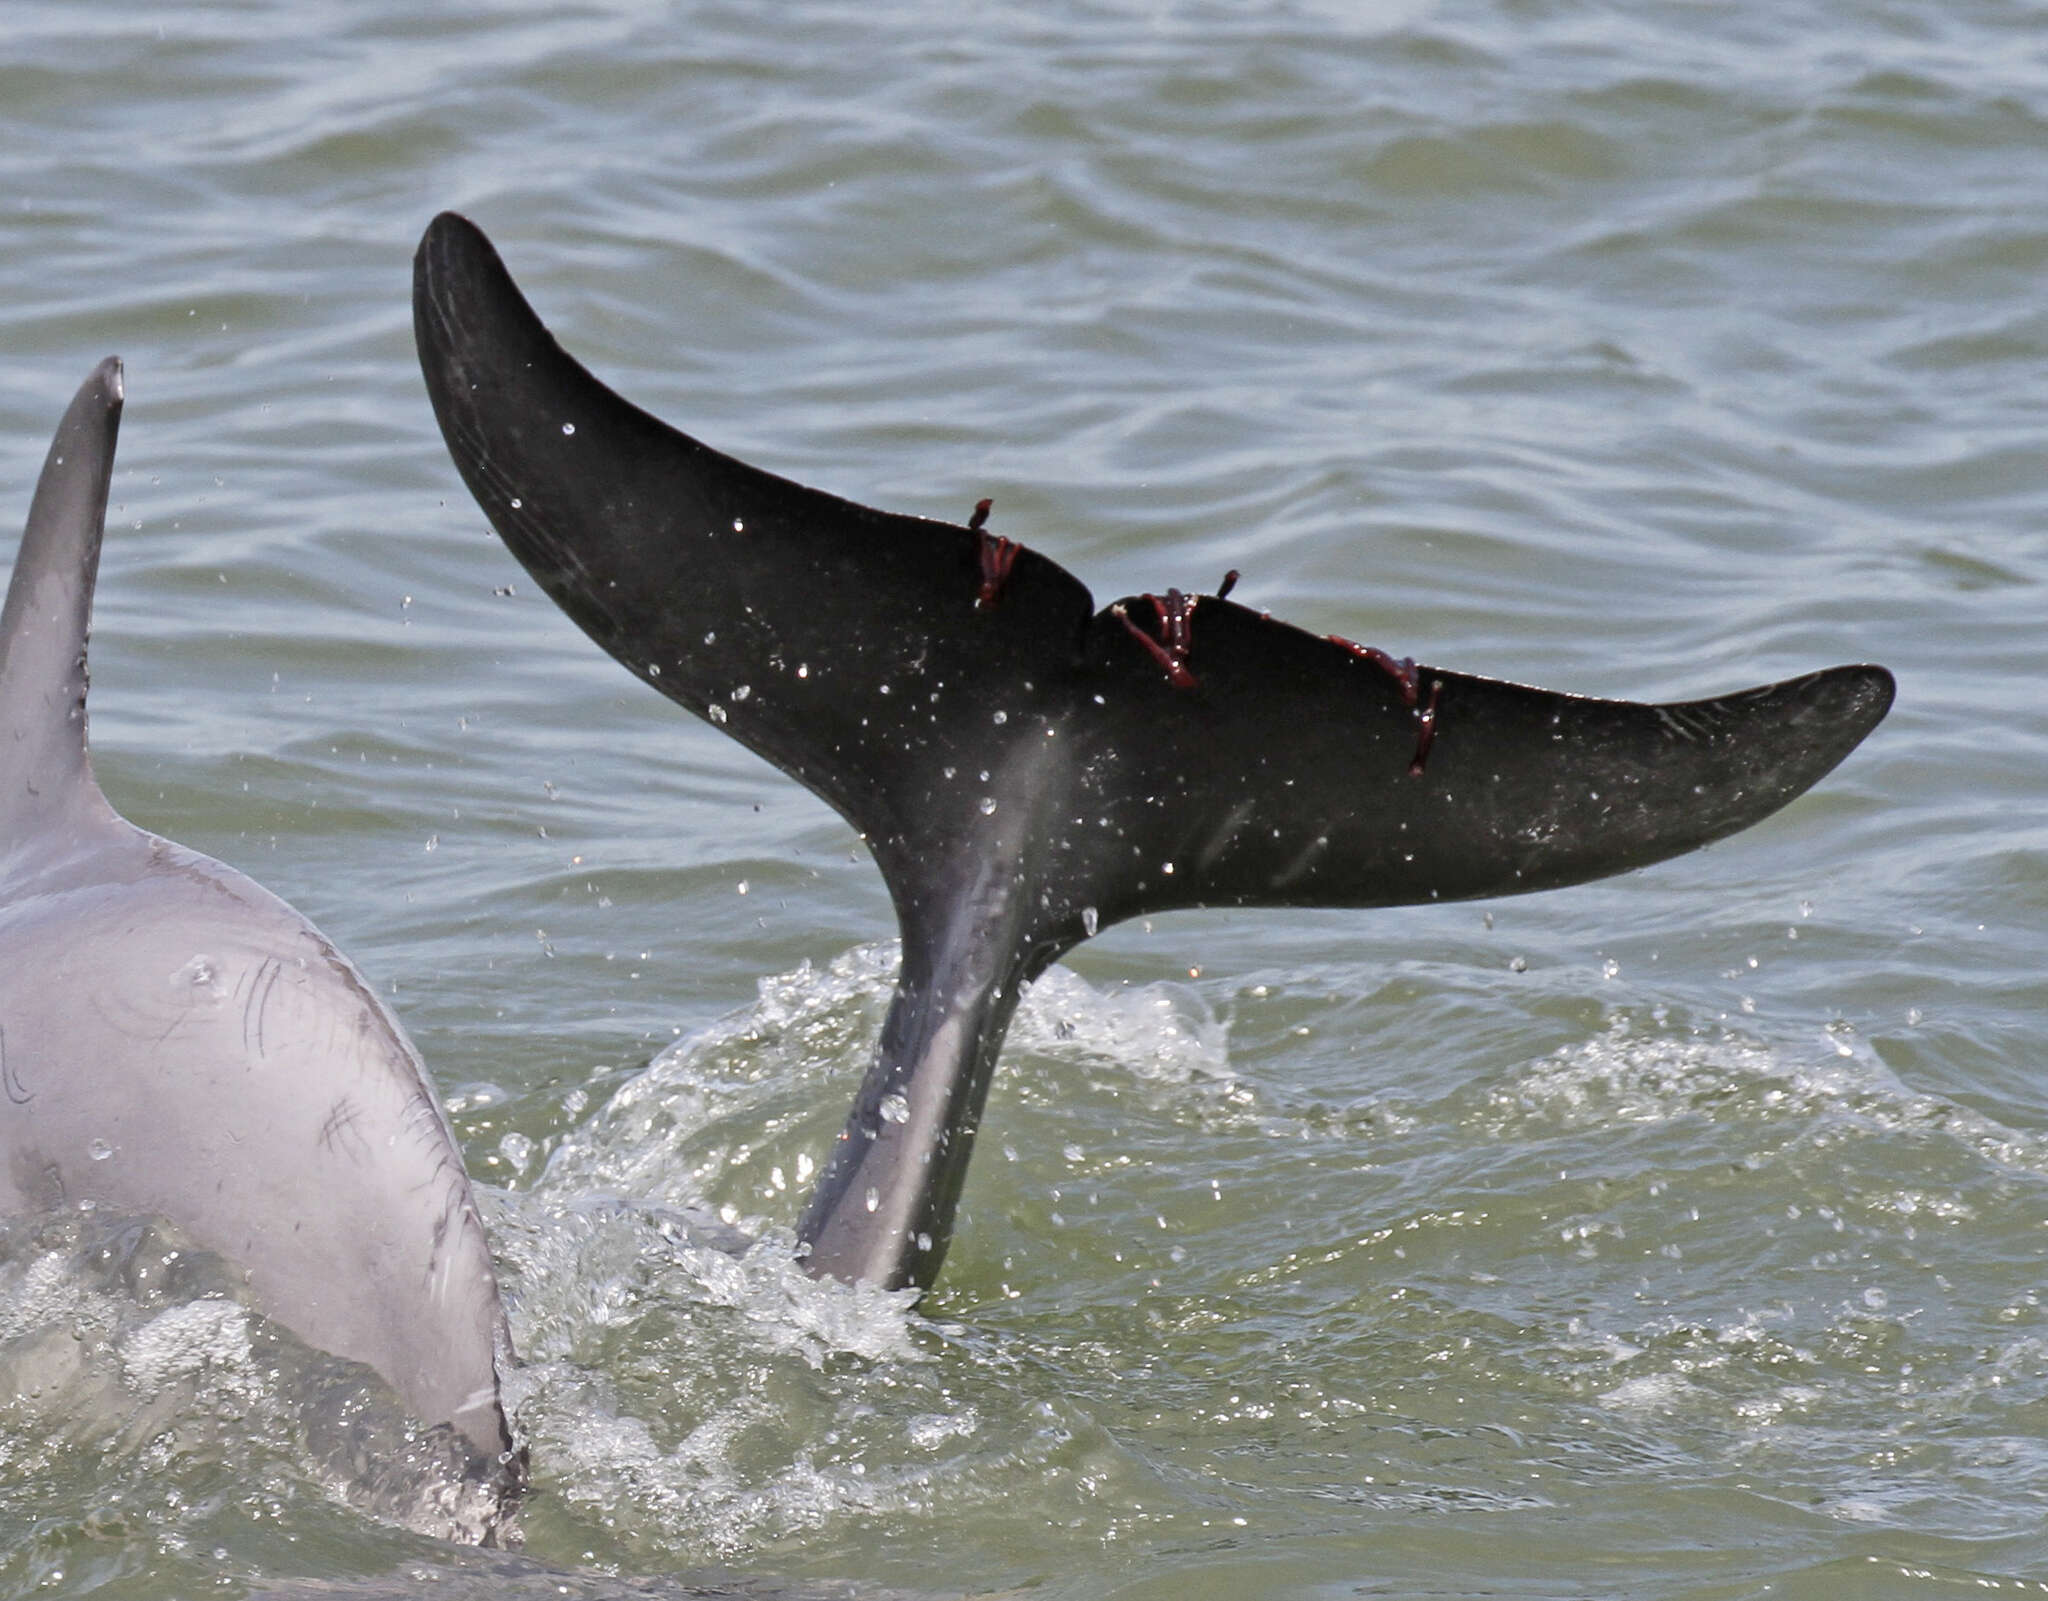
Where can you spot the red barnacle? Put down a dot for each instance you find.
(998, 556)
(1403, 673)
(1425, 729)
(1175, 617)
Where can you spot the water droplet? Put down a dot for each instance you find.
(433, 842)
(1166, 868)
(738, 527)
(716, 713)
(1090, 920)
(711, 638)
(1875, 1299)
(1519, 965)
(1002, 718)
(950, 771)
(1610, 968)
(654, 669)
(803, 669)
(99, 1150)
(517, 502)
(804, 1169)
(742, 692)
(874, 1199)
(924, 1241)
(568, 428)
(988, 806)
(895, 1107)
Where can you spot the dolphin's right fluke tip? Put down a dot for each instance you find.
(1854, 700)
(1866, 690)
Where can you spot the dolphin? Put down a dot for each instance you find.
(1027, 769)
(178, 1042)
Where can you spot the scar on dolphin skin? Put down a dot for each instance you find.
(340, 1131)
(17, 1092)
(259, 985)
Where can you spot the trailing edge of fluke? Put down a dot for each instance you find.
(1027, 769)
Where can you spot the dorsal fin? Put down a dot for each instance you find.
(1027, 771)
(45, 776)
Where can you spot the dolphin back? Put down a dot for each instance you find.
(176, 1041)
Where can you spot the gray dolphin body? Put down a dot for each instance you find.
(175, 1040)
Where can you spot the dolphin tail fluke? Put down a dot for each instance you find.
(45, 776)
(1027, 770)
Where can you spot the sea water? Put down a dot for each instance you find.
(1676, 1236)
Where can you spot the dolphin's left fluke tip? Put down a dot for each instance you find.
(452, 240)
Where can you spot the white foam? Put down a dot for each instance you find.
(1648, 1392)
(803, 1026)
(1164, 1032)
(183, 1342)
(1624, 1077)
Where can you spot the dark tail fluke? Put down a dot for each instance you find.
(1028, 770)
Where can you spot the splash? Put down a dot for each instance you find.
(1163, 1032)
(123, 1344)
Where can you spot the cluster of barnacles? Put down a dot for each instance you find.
(1172, 639)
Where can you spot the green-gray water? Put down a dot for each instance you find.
(1677, 1236)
